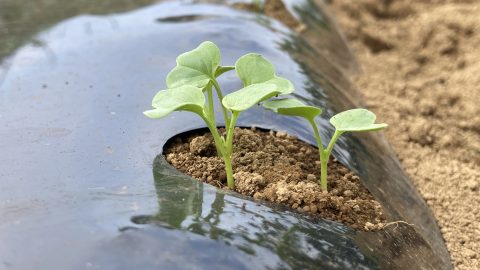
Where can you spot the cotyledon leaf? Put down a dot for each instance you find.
(292, 107)
(184, 98)
(223, 69)
(247, 97)
(197, 67)
(356, 120)
(253, 68)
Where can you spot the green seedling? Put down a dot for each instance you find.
(201, 68)
(356, 120)
(258, 5)
(196, 72)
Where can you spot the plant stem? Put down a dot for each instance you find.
(211, 109)
(317, 134)
(229, 170)
(334, 139)
(229, 150)
(324, 157)
(220, 97)
(209, 118)
(216, 136)
(323, 170)
(324, 153)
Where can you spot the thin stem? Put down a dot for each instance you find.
(317, 134)
(323, 170)
(220, 97)
(324, 157)
(209, 118)
(229, 150)
(216, 136)
(229, 170)
(211, 109)
(231, 131)
(334, 139)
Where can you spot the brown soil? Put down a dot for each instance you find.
(275, 9)
(421, 64)
(276, 167)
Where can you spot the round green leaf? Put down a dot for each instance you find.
(247, 97)
(180, 76)
(196, 67)
(356, 120)
(253, 68)
(284, 86)
(184, 98)
(292, 107)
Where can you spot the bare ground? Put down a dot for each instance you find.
(421, 74)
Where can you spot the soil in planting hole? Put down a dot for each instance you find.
(277, 167)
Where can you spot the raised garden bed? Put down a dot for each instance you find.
(78, 180)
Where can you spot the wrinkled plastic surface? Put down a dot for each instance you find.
(77, 188)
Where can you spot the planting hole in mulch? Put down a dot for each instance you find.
(277, 167)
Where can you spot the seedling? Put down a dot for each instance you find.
(258, 5)
(196, 73)
(356, 120)
(200, 68)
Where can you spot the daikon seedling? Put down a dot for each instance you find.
(356, 120)
(200, 68)
(258, 5)
(197, 71)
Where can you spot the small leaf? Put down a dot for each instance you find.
(283, 85)
(184, 98)
(253, 68)
(356, 120)
(247, 97)
(196, 67)
(292, 107)
(223, 69)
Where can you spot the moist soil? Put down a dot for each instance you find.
(421, 66)
(276, 167)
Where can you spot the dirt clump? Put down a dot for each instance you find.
(420, 64)
(277, 167)
(277, 10)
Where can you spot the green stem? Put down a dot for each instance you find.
(209, 118)
(324, 157)
(229, 170)
(323, 171)
(229, 150)
(216, 136)
(211, 109)
(220, 96)
(334, 139)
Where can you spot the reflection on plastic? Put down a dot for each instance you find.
(270, 235)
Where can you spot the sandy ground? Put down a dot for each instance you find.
(421, 74)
